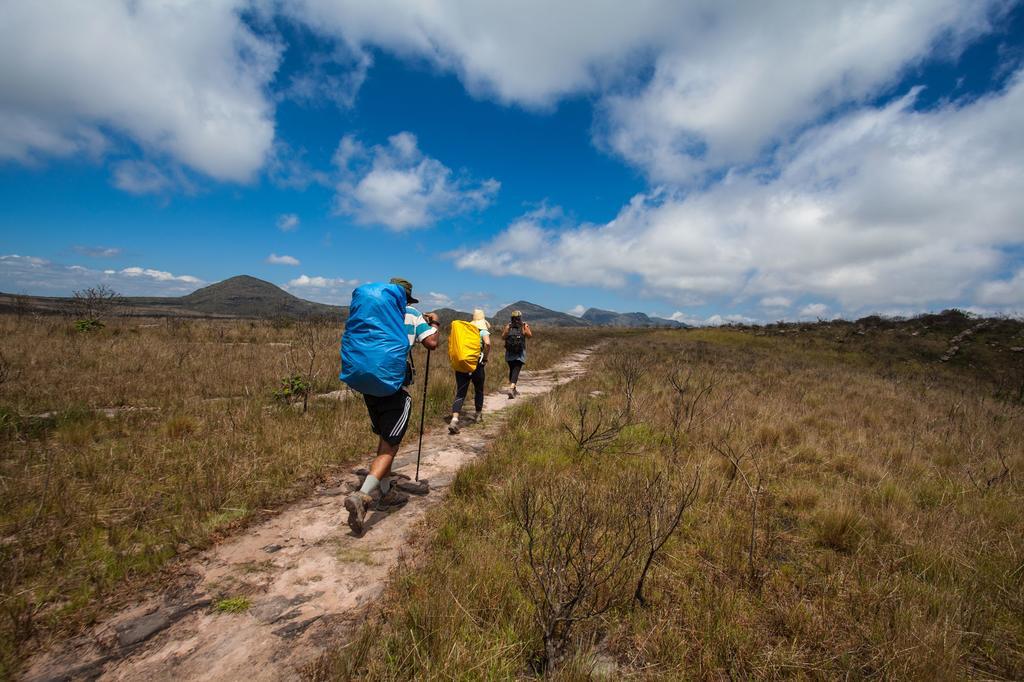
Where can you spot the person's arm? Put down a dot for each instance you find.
(526, 330)
(430, 341)
(504, 331)
(487, 346)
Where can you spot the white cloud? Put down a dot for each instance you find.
(436, 299)
(682, 87)
(274, 259)
(884, 206)
(814, 310)
(288, 222)
(305, 281)
(739, 78)
(528, 52)
(331, 290)
(97, 251)
(1007, 293)
(158, 275)
(397, 186)
(40, 276)
(185, 81)
(719, 320)
(335, 77)
(776, 302)
(577, 310)
(144, 177)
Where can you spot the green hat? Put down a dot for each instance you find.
(407, 285)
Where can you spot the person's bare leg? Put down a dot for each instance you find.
(381, 465)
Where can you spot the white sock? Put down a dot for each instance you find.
(369, 484)
(455, 418)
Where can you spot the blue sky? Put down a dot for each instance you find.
(708, 162)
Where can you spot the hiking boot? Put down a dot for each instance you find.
(393, 500)
(356, 504)
(511, 393)
(515, 392)
(478, 418)
(453, 428)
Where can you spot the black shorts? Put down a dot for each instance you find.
(389, 415)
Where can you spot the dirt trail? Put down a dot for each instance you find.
(305, 576)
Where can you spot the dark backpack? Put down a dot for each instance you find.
(515, 342)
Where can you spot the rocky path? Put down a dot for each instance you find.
(301, 577)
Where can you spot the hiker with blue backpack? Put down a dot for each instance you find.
(469, 344)
(376, 361)
(515, 334)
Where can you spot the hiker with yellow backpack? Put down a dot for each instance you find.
(469, 344)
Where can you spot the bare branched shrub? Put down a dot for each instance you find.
(22, 306)
(95, 303)
(313, 335)
(691, 406)
(660, 510)
(984, 482)
(594, 430)
(628, 369)
(580, 549)
(7, 372)
(746, 468)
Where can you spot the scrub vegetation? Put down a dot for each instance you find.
(812, 501)
(127, 445)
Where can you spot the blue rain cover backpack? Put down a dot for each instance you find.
(375, 346)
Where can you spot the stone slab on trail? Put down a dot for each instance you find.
(303, 574)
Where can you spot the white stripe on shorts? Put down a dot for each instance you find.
(405, 417)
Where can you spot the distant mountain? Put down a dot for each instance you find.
(240, 296)
(245, 296)
(448, 314)
(609, 318)
(538, 316)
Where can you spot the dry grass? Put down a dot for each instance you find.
(851, 523)
(90, 503)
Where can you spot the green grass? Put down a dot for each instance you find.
(876, 554)
(232, 605)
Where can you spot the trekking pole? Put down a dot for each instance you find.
(423, 410)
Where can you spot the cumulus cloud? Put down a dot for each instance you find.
(274, 259)
(334, 77)
(814, 310)
(288, 222)
(776, 302)
(305, 281)
(39, 276)
(436, 299)
(397, 186)
(517, 52)
(577, 310)
(145, 177)
(1005, 293)
(715, 320)
(737, 79)
(682, 87)
(185, 81)
(882, 206)
(97, 251)
(331, 290)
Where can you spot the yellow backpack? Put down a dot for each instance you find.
(464, 346)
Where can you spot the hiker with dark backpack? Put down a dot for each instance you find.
(376, 361)
(515, 334)
(469, 344)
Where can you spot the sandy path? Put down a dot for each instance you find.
(303, 572)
